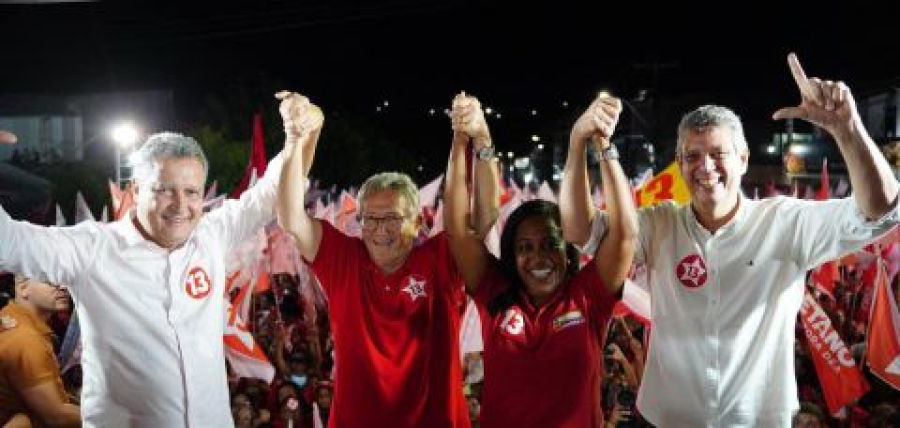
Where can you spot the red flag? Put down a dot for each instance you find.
(824, 192)
(257, 164)
(866, 291)
(883, 348)
(247, 359)
(842, 382)
(345, 217)
(824, 277)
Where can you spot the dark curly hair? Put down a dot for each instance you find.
(534, 208)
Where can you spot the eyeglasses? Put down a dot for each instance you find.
(391, 222)
(717, 156)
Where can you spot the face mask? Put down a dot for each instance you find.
(298, 380)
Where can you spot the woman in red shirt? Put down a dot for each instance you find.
(543, 318)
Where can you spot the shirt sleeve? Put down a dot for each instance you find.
(237, 219)
(337, 253)
(439, 246)
(588, 279)
(56, 255)
(31, 365)
(825, 230)
(493, 282)
(599, 229)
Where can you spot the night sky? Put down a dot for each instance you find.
(417, 54)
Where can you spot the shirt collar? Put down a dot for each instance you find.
(738, 219)
(23, 315)
(127, 231)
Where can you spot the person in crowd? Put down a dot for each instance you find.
(809, 416)
(324, 393)
(543, 319)
(149, 289)
(30, 383)
(726, 273)
(394, 306)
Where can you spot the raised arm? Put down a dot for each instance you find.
(830, 105)
(575, 205)
(467, 245)
(616, 250)
(302, 124)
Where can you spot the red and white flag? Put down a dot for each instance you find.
(428, 193)
(247, 359)
(257, 163)
(883, 348)
(841, 380)
(345, 217)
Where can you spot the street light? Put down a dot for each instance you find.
(124, 135)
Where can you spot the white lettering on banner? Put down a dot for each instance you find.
(821, 335)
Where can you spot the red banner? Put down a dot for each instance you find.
(842, 382)
(883, 349)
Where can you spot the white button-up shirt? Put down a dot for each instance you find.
(151, 320)
(724, 305)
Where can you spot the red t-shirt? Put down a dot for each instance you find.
(395, 336)
(543, 366)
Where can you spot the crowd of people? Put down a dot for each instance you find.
(372, 337)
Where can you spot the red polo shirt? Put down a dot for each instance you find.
(543, 366)
(395, 336)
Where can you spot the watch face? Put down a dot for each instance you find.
(485, 153)
(609, 153)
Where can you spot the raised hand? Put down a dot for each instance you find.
(300, 116)
(599, 121)
(825, 103)
(467, 117)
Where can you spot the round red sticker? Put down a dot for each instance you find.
(691, 271)
(198, 285)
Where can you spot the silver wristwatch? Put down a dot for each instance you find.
(609, 153)
(485, 153)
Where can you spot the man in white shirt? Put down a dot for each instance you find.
(149, 289)
(726, 273)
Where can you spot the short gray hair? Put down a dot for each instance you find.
(396, 181)
(712, 116)
(160, 146)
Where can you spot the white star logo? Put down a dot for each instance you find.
(415, 287)
(692, 271)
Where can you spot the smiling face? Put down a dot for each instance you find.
(712, 167)
(388, 230)
(540, 255)
(169, 203)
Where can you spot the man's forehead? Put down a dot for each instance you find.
(179, 171)
(383, 201)
(699, 138)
